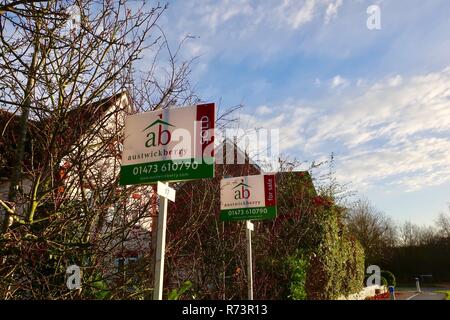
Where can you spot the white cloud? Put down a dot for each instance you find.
(215, 14)
(266, 31)
(395, 81)
(332, 11)
(410, 165)
(263, 110)
(366, 121)
(395, 132)
(338, 81)
(417, 105)
(290, 123)
(360, 82)
(238, 29)
(297, 12)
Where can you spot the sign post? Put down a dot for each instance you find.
(248, 198)
(161, 243)
(249, 228)
(167, 145)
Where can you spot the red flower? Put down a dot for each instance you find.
(381, 296)
(320, 201)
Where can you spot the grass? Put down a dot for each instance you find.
(447, 293)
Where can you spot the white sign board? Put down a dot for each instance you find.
(248, 198)
(169, 145)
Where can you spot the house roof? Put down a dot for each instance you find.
(75, 123)
(228, 145)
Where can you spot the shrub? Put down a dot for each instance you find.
(389, 276)
(336, 265)
(176, 294)
(312, 225)
(297, 265)
(383, 281)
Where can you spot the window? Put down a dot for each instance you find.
(119, 264)
(124, 263)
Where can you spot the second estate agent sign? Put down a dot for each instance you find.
(248, 198)
(169, 145)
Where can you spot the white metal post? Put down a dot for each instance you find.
(248, 230)
(160, 247)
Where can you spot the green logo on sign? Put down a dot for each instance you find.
(243, 192)
(162, 137)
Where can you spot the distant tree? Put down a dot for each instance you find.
(443, 224)
(427, 234)
(414, 235)
(408, 234)
(421, 250)
(375, 231)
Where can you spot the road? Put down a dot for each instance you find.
(426, 294)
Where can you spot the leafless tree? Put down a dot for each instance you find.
(443, 224)
(375, 231)
(64, 69)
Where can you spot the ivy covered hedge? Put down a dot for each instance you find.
(307, 252)
(304, 253)
(297, 267)
(336, 262)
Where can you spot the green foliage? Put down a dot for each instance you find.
(101, 290)
(175, 294)
(312, 225)
(336, 265)
(355, 267)
(97, 288)
(297, 266)
(389, 276)
(305, 253)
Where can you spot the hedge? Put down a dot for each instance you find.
(297, 265)
(389, 276)
(336, 265)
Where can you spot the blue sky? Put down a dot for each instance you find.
(378, 99)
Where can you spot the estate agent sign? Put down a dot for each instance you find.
(248, 198)
(169, 145)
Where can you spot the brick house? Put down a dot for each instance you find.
(106, 119)
(91, 133)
